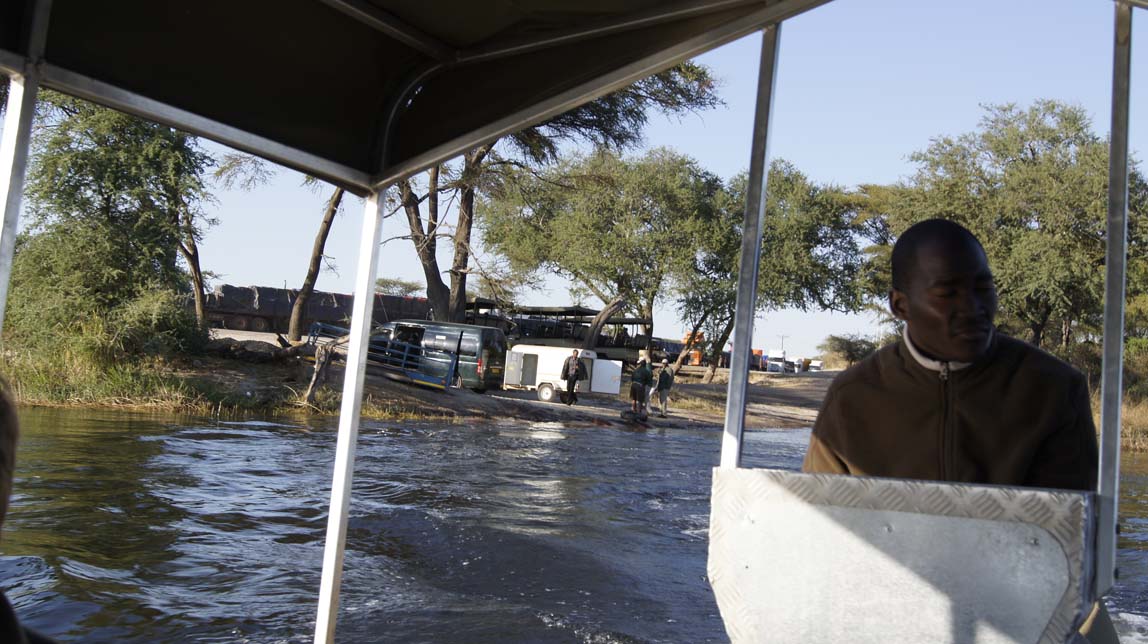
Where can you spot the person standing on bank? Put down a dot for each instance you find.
(665, 383)
(956, 400)
(572, 371)
(640, 382)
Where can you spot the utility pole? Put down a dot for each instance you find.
(783, 337)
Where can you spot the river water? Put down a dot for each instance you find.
(134, 528)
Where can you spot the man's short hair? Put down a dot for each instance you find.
(905, 250)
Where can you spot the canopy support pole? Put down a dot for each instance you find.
(22, 91)
(1111, 385)
(349, 412)
(750, 250)
(23, 88)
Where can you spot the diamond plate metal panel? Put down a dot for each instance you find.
(886, 560)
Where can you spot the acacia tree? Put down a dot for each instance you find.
(139, 181)
(615, 121)
(850, 348)
(1032, 185)
(615, 227)
(114, 205)
(397, 286)
(809, 259)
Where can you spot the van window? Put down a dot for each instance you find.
(408, 334)
(439, 340)
(469, 346)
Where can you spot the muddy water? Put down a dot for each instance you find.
(129, 528)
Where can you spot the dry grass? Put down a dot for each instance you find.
(1133, 421)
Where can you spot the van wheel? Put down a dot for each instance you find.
(546, 393)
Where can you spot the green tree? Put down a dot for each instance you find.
(1032, 185)
(617, 228)
(810, 257)
(114, 205)
(397, 286)
(615, 121)
(141, 182)
(849, 349)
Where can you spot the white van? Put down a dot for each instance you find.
(539, 368)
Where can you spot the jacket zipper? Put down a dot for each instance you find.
(944, 376)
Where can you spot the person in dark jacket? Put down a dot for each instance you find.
(954, 399)
(10, 629)
(640, 382)
(572, 371)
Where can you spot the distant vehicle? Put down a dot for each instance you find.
(790, 367)
(481, 349)
(775, 361)
(268, 309)
(815, 365)
(538, 368)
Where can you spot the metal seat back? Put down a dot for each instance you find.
(824, 558)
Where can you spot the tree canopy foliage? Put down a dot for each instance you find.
(114, 202)
(615, 122)
(850, 349)
(398, 286)
(1032, 185)
(616, 227)
(647, 229)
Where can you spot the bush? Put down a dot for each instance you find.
(157, 323)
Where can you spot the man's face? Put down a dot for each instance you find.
(949, 302)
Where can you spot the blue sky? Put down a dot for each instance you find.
(862, 84)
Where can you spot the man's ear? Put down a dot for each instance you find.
(899, 304)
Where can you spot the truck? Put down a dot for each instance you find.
(538, 368)
(775, 361)
(268, 309)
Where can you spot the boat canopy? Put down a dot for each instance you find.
(361, 92)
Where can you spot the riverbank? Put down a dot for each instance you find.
(245, 376)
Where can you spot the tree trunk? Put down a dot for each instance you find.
(183, 220)
(715, 350)
(472, 168)
(1037, 323)
(1065, 333)
(690, 341)
(299, 307)
(648, 329)
(438, 295)
(192, 259)
(599, 321)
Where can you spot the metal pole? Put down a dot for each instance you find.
(352, 404)
(750, 251)
(20, 110)
(1111, 388)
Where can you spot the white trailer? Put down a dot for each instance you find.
(539, 368)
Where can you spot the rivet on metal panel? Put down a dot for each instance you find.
(1034, 541)
(888, 528)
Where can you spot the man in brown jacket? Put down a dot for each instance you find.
(955, 400)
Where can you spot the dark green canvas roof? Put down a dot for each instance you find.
(363, 91)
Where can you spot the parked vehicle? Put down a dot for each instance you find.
(266, 308)
(815, 365)
(539, 368)
(481, 349)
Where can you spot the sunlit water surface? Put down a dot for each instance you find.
(130, 528)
